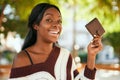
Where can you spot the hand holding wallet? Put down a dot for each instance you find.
(95, 28)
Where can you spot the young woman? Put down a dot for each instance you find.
(40, 58)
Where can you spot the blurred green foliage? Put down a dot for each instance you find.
(8, 55)
(83, 56)
(114, 40)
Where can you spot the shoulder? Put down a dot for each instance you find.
(20, 60)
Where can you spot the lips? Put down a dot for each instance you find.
(54, 33)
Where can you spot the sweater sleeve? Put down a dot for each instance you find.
(89, 73)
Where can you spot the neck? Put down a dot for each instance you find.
(44, 45)
(40, 47)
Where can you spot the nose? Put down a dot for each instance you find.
(56, 24)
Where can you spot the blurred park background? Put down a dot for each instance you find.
(76, 14)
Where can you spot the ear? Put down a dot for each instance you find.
(35, 27)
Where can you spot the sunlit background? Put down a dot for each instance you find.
(75, 37)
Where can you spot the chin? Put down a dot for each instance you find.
(52, 41)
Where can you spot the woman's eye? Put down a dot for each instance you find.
(49, 20)
(59, 21)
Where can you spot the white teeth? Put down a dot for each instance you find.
(53, 32)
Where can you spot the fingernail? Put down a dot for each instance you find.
(94, 35)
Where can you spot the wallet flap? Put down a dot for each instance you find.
(95, 28)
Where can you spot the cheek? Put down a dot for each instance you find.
(44, 25)
(43, 30)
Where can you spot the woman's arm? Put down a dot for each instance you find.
(93, 48)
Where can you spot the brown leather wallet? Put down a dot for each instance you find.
(95, 28)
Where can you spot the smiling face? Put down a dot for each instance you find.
(50, 26)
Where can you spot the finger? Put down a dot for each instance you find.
(94, 46)
(96, 40)
(95, 43)
(96, 36)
